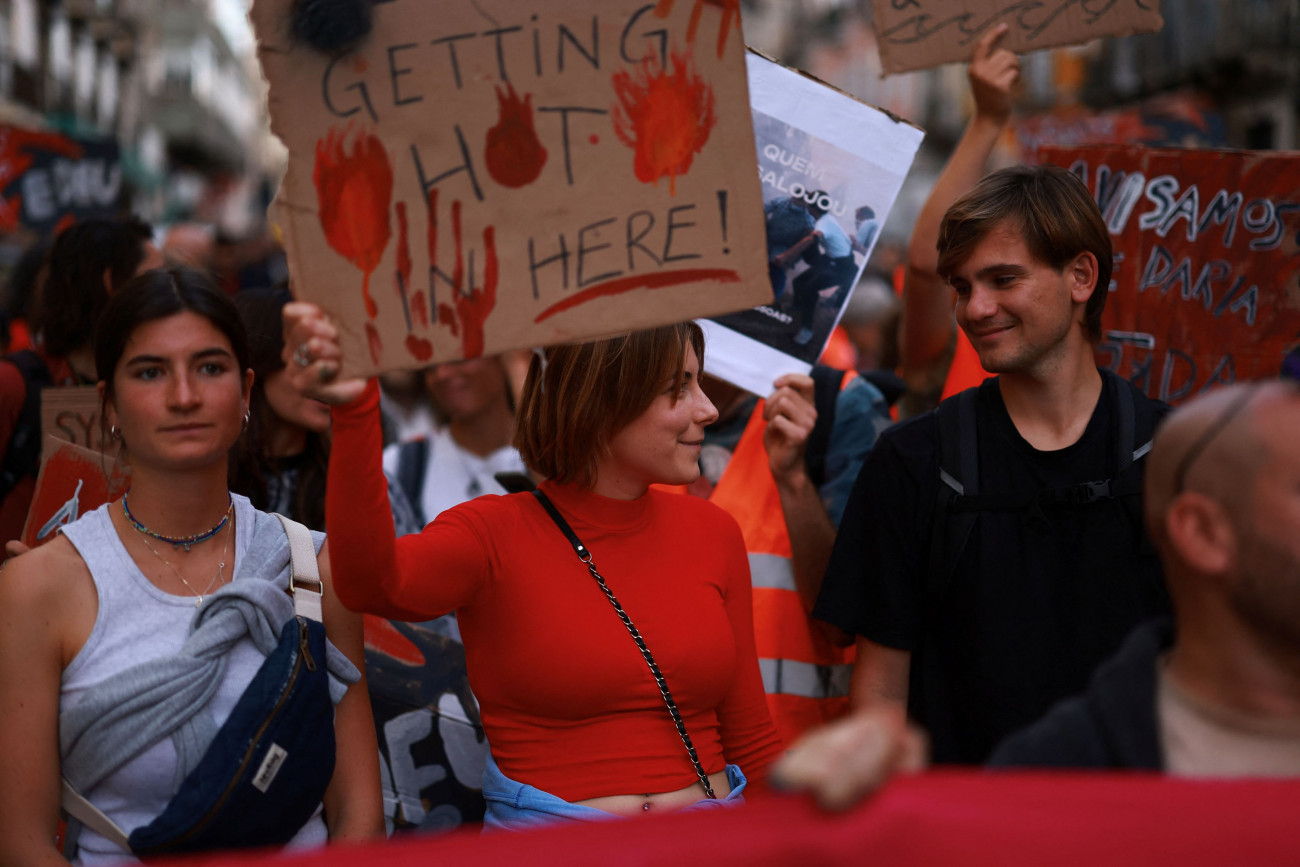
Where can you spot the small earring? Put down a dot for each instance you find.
(114, 432)
(247, 417)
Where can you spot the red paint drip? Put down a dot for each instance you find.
(375, 343)
(470, 306)
(447, 317)
(730, 16)
(458, 269)
(474, 306)
(420, 349)
(659, 280)
(354, 185)
(420, 310)
(665, 117)
(403, 277)
(514, 155)
(382, 636)
(403, 246)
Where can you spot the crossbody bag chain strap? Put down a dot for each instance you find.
(585, 556)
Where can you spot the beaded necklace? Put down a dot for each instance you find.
(178, 541)
(217, 579)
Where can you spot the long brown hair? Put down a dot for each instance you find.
(251, 461)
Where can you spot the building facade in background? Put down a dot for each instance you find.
(173, 85)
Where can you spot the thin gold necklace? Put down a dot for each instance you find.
(215, 580)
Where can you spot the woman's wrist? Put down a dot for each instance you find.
(360, 406)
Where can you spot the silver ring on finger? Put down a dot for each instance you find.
(302, 356)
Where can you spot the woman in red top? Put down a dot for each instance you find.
(578, 727)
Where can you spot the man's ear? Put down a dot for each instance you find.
(1081, 271)
(1201, 533)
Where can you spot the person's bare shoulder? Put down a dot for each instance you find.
(50, 585)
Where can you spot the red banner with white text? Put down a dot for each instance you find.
(1206, 287)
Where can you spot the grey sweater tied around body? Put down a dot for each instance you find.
(167, 697)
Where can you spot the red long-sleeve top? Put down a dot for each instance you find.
(567, 701)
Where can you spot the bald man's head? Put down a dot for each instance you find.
(1210, 446)
(1223, 507)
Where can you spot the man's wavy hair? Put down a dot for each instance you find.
(1050, 208)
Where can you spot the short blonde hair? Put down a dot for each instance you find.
(585, 393)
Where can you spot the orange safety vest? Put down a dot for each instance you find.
(806, 677)
(966, 370)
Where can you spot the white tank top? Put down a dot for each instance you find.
(138, 622)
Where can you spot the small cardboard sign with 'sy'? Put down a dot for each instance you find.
(479, 175)
(72, 481)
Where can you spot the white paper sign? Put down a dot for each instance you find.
(830, 167)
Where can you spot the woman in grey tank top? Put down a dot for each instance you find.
(118, 591)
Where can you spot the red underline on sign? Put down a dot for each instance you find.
(658, 280)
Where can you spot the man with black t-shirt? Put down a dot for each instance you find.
(992, 551)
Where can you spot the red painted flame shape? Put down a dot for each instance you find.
(664, 117)
(514, 155)
(353, 189)
(730, 13)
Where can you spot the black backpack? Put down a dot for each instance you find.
(960, 501)
(412, 458)
(23, 456)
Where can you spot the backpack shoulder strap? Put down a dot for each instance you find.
(958, 477)
(1125, 428)
(412, 459)
(827, 382)
(304, 584)
(86, 814)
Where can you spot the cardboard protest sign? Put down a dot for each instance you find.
(915, 34)
(486, 175)
(72, 481)
(1184, 119)
(71, 414)
(48, 178)
(1206, 287)
(830, 168)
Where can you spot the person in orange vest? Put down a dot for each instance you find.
(783, 468)
(929, 355)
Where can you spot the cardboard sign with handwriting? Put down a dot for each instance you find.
(477, 176)
(916, 34)
(1206, 286)
(73, 481)
(71, 414)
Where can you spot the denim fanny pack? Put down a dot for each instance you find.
(266, 770)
